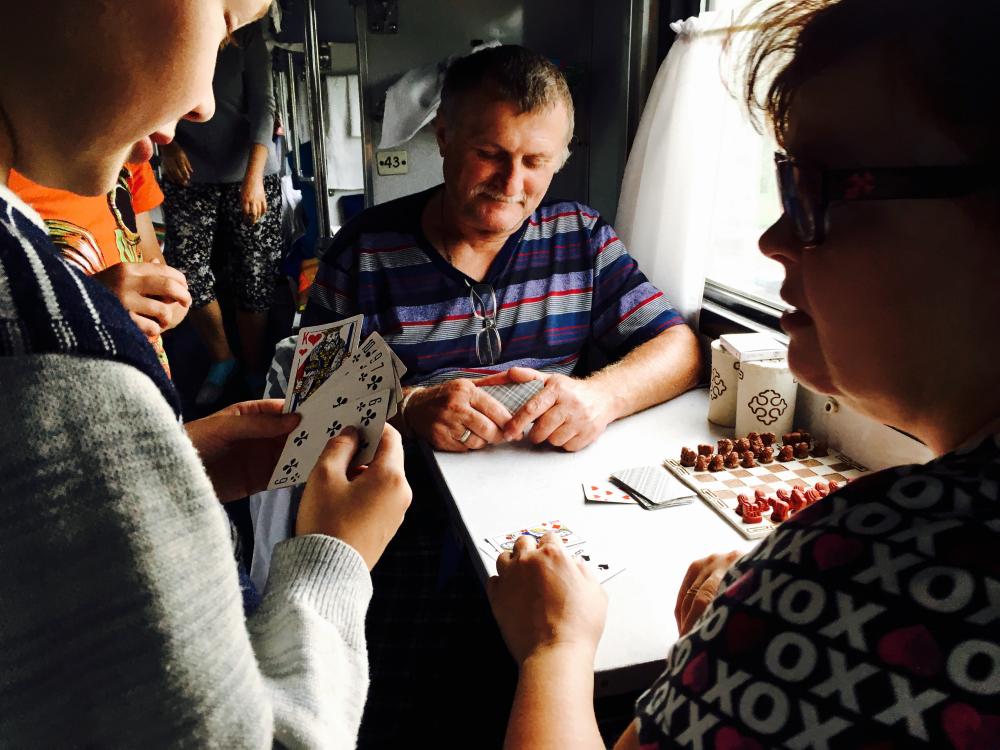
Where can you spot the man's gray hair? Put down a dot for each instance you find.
(515, 74)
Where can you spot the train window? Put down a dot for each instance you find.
(744, 203)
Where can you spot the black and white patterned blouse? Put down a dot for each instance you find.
(872, 620)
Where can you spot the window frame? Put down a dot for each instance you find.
(742, 309)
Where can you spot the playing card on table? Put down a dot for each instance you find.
(653, 487)
(599, 564)
(505, 542)
(319, 352)
(514, 395)
(601, 491)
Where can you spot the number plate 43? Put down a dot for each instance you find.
(392, 162)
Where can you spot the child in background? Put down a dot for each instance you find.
(101, 234)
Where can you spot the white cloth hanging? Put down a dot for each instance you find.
(666, 202)
(413, 100)
(344, 149)
(292, 221)
(275, 12)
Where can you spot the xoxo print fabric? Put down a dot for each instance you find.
(871, 620)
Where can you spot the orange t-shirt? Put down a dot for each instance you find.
(96, 232)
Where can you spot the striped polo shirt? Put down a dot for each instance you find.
(562, 281)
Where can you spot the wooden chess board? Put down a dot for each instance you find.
(720, 488)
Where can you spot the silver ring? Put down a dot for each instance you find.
(465, 436)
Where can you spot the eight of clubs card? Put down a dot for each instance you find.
(323, 419)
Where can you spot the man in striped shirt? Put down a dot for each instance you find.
(478, 282)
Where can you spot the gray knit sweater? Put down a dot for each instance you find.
(121, 622)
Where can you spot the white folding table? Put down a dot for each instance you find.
(503, 487)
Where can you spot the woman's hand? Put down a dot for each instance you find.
(543, 599)
(240, 445)
(701, 584)
(253, 199)
(362, 508)
(176, 165)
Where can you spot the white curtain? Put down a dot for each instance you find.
(667, 198)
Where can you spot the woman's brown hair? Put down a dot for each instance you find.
(945, 48)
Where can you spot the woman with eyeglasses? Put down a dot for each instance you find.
(872, 618)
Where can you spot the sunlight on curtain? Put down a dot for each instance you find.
(699, 186)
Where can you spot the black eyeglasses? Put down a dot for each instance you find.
(484, 308)
(807, 190)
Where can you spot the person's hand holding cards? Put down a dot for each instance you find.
(545, 599)
(239, 444)
(362, 508)
(336, 383)
(457, 416)
(567, 413)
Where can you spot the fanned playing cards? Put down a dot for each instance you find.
(335, 383)
(574, 545)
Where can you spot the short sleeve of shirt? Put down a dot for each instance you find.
(627, 309)
(870, 620)
(340, 286)
(333, 295)
(146, 193)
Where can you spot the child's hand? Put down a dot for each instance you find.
(541, 598)
(155, 296)
(362, 508)
(240, 445)
(700, 585)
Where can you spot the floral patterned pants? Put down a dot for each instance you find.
(200, 215)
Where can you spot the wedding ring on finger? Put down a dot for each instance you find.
(465, 436)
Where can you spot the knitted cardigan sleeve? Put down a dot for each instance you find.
(122, 623)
